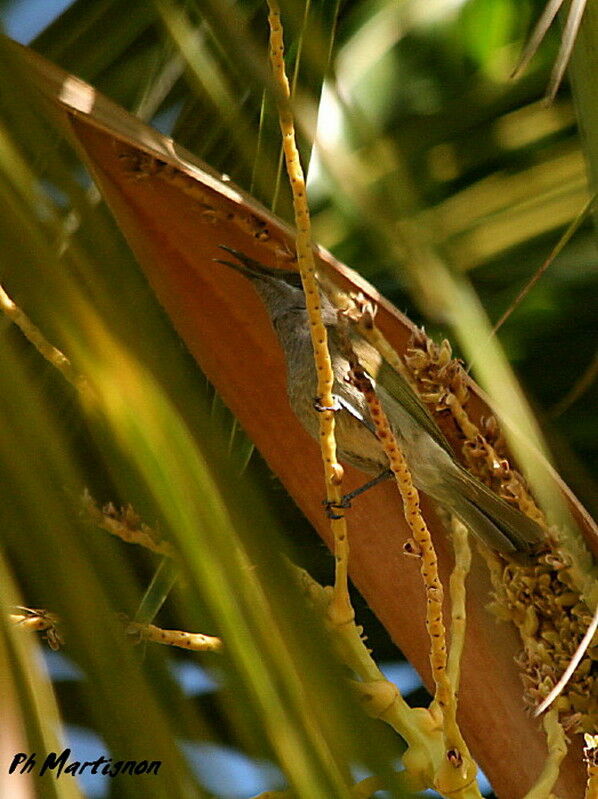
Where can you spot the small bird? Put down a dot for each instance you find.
(431, 461)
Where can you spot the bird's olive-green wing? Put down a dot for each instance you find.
(398, 388)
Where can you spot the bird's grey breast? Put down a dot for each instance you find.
(356, 442)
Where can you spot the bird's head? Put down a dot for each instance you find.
(280, 290)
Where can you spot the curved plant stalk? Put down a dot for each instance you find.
(556, 250)
(573, 664)
(577, 390)
(571, 28)
(340, 607)
(556, 742)
(54, 356)
(582, 72)
(457, 770)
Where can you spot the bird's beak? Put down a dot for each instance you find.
(255, 270)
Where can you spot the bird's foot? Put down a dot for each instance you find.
(331, 506)
(346, 500)
(336, 405)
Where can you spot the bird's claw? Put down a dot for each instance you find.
(331, 506)
(336, 406)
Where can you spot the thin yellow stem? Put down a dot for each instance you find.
(340, 607)
(457, 592)
(368, 787)
(457, 770)
(556, 743)
(556, 250)
(44, 621)
(126, 525)
(34, 335)
(195, 642)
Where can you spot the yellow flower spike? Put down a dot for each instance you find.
(539, 599)
(456, 770)
(53, 356)
(556, 743)
(195, 642)
(436, 373)
(126, 525)
(421, 728)
(340, 610)
(461, 417)
(377, 696)
(460, 571)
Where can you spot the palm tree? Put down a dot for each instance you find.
(447, 186)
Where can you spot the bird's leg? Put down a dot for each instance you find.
(346, 499)
(336, 405)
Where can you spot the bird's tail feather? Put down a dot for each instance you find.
(499, 524)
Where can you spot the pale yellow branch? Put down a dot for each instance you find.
(340, 607)
(457, 770)
(350, 646)
(460, 537)
(368, 787)
(34, 335)
(427, 752)
(44, 621)
(582, 648)
(126, 525)
(556, 743)
(195, 642)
